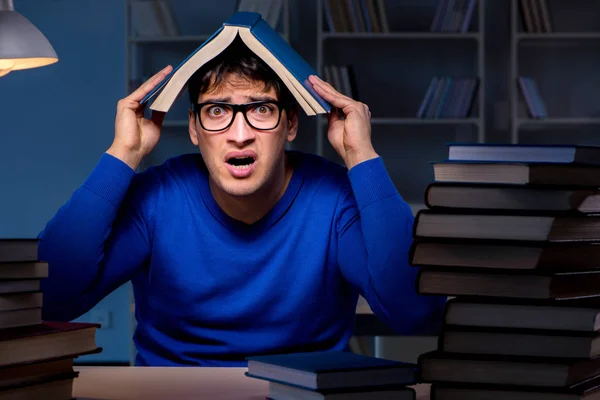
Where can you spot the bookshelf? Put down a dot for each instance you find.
(191, 23)
(563, 30)
(427, 52)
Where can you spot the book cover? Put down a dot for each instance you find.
(265, 42)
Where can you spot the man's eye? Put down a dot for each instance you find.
(263, 110)
(216, 111)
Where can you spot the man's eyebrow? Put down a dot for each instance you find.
(227, 99)
(262, 98)
(218, 100)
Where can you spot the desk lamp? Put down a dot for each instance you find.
(22, 45)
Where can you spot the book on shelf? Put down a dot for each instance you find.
(355, 16)
(269, 9)
(330, 370)
(342, 78)
(261, 39)
(453, 15)
(449, 97)
(517, 251)
(530, 92)
(535, 16)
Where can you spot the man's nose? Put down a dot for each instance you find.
(240, 132)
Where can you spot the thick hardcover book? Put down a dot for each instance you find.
(48, 340)
(527, 153)
(582, 315)
(488, 225)
(517, 173)
(265, 42)
(542, 372)
(509, 284)
(509, 255)
(17, 250)
(512, 197)
(519, 342)
(330, 370)
(588, 390)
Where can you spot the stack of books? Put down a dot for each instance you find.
(36, 356)
(333, 375)
(511, 234)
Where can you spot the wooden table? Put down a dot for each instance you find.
(181, 383)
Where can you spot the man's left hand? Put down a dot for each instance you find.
(350, 136)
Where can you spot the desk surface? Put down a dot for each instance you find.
(162, 383)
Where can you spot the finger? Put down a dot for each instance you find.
(146, 87)
(334, 97)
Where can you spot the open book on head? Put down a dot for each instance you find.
(261, 39)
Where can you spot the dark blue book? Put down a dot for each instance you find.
(331, 370)
(265, 42)
(525, 153)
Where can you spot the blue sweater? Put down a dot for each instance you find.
(210, 290)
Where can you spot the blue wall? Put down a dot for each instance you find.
(56, 121)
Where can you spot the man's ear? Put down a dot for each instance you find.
(192, 127)
(292, 121)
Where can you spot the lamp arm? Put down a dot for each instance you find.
(7, 5)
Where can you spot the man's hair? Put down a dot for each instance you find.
(239, 60)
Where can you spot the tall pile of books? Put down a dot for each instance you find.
(511, 234)
(335, 375)
(36, 357)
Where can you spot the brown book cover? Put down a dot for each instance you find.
(459, 391)
(48, 340)
(579, 315)
(14, 250)
(508, 284)
(439, 367)
(507, 255)
(519, 342)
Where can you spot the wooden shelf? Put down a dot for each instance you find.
(174, 39)
(421, 121)
(169, 39)
(402, 35)
(176, 124)
(559, 121)
(558, 36)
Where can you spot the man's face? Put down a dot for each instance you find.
(241, 160)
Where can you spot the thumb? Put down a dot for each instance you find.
(158, 117)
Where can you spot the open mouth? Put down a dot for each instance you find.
(241, 162)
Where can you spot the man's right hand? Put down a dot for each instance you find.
(136, 136)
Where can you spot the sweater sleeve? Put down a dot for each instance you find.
(94, 243)
(374, 238)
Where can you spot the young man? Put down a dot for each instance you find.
(244, 248)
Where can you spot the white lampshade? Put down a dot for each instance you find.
(22, 45)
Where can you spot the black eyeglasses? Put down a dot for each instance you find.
(218, 116)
